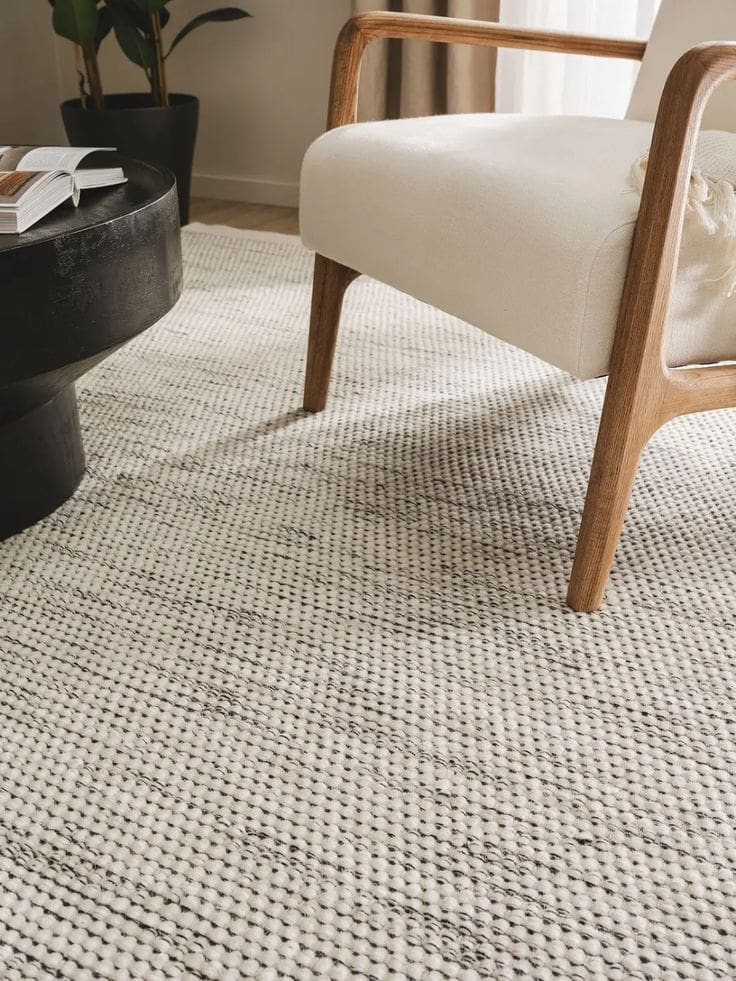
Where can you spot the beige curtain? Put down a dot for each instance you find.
(412, 78)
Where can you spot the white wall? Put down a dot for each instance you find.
(29, 92)
(263, 85)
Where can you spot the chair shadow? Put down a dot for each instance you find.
(463, 490)
(230, 445)
(493, 496)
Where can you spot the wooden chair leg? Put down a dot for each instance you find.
(330, 282)
(626, 426)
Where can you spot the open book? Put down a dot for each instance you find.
(36, 179)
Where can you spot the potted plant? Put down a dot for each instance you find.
(154, 126)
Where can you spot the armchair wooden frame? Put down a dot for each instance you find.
(642, 391)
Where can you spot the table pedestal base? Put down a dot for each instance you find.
(41, 461)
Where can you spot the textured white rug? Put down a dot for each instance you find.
(298, 697)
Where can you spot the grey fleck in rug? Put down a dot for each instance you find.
(298, 697)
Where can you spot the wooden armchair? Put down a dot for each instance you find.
(606, 290)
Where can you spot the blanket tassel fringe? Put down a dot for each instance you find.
(713, 204)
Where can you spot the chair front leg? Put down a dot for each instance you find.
(330, 282)
(627, 422)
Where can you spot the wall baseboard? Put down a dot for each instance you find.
(245, 189)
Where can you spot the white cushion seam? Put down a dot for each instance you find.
(600, 248)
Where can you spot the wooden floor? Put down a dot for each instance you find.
(237, 214)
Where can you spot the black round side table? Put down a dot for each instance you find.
(73, 289)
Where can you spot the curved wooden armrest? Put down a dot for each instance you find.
(361, 29)
(656, 247)
(643, 392)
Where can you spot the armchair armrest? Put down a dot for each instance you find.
(655, 251)
(360, 30)
(643, 392)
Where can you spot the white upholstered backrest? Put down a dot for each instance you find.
(681, 24)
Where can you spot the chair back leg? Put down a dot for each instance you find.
(330, 282)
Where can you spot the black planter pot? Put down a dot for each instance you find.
(159, 135)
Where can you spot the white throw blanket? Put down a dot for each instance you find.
(711, 199)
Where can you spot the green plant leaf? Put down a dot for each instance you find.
(135, 15)
(76, 20)
(132, 43)
(104, 26)
(212, 16)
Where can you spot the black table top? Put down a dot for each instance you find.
(145, 185)
(86, 280)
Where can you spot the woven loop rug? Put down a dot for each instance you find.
(288, 696)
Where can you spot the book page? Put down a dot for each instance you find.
(11, 156)
(45, 157)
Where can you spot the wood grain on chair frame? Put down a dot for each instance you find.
(642, 392)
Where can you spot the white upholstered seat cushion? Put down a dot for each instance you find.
(520, 225)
